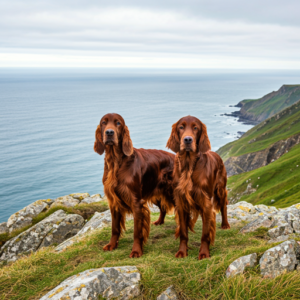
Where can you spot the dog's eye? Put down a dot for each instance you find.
(104, 123)
(181, 127)
(195, 128)
(118, 123)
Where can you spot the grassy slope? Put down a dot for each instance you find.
(266, 133)
(280, 179)
(268, 106)
(33, 276)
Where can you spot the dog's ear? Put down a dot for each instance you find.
(204, 143)
(173, 142)
(127, 146)
(98, 146)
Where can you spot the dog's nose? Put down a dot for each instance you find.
(109, 132)
(188, 140)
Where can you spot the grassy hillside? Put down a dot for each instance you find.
(265, 107)
(279, 127)
(34, 276)
(279, 180)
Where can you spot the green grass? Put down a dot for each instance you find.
(85, 210)
(33, 276)
(265, 134)
(278, 180)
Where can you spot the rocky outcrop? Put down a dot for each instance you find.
(24, 217)
(3, 228)
(109, 283)
(239, 265)
(168, 294)
(92, 199)
(280, 259)
(52, 230)
(251, 161)
(98, 221)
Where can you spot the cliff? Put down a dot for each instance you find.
(258, 110)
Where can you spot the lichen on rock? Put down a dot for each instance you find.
(109, 283)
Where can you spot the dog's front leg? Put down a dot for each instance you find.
(182, 232)
(141, 215)
(117, 218)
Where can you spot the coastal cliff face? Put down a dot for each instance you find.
(268, 155)
(256, 111)
(251, 161)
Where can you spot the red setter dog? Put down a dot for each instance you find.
(199, 183)
(132, 178)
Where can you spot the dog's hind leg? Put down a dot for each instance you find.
(161, 219)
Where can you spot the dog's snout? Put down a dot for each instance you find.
(188, 140)
(109, 132)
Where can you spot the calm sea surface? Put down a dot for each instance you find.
(48, 120)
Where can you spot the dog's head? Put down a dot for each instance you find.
(189, 134)
(112, 131)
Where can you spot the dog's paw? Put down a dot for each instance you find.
(225, 226)
(158, 222)
(181, 254)
(135, 254)
(110, 247)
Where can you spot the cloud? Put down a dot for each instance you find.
(157, 33)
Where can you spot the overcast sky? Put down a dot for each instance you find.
(158, 33)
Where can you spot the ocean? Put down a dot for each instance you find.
(48, 119)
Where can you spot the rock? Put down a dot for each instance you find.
(3, 228)
(168, 294)
(263, 221)
(239, 265)
(279, 239)
(68, 201)
(250, 161)
(279, 259)
(109, 283)
(53, 229)
(80, 196)
(24, 217)
(272, 201)
(296, 226)
(282, 228)
(98, 221)
(92, 199)
(154, 209)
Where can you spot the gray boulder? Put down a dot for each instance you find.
(263, 221)
(80, 196)
(67, 201)
(98, 221)
(279, 239)
(92, 199)
(281, 228)
(3, 228)
(53, 229)
(24, 217)
(239, 265)
(168, 294)
(280, 259)
(109, 283)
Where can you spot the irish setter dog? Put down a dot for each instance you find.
(199, 183)
(132, 178)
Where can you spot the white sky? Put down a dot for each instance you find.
(150, 34)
